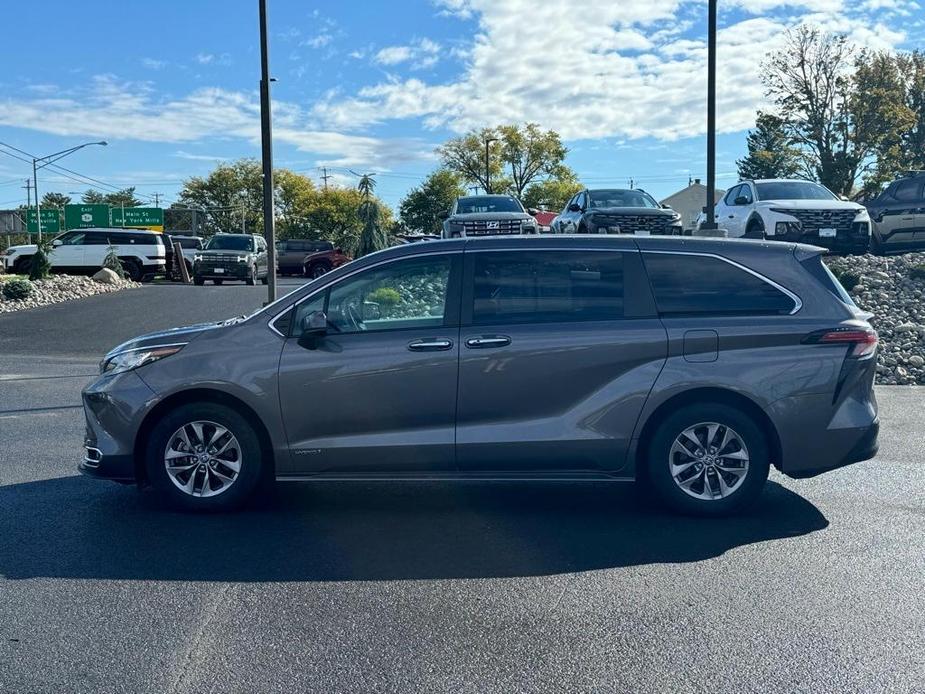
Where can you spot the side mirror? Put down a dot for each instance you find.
(666, 207)
(371, 310)
(314, 326)
(532, 211)
(56, 243)
(574, 207)
(843, 197)
(741, 200)
(443, 215)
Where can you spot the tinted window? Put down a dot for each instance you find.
(732, 195)
(547, 287)
(907, 191)
(688, 285)
(405, 294)
(231, 242)
(190, 243)
(486, 203)
(96, 238)
(793, 190)
(621, 198)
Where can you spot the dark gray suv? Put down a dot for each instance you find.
(693, 363)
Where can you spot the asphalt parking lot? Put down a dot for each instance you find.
(434, 588)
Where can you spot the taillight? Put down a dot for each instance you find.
(863, 341)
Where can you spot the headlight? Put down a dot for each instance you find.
(133, 358)
(242, 258)
(455, 226)
(787, 228)
(197, 258)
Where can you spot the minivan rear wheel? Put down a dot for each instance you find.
(204, 457)
(708, 459)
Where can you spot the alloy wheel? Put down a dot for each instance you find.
(203, 458)
(708, 461)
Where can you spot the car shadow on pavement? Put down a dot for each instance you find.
(73, 527)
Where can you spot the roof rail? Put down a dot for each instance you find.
(909, 173)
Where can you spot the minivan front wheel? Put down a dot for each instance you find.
(204, 457)
(708, 459)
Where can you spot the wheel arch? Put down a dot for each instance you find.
(708, 395)
(192, 395)
(755, 220)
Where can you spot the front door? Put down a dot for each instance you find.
(377, 393)
(556, 360)
(68, 251)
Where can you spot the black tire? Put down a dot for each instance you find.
(22, 266)
(582, 228)
(250, 459)
(754, 230)
(265, 279)
(217, 282)
(132, 269)
(251, 279)
(876, 246)
(659, 461)
(316, 270)
(199, 281)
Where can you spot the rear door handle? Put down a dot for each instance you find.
(488, 342)
(430, 345)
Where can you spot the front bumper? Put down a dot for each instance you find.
(855, 238)
(237, 271)
(114, 407)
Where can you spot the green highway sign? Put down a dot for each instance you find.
(146, 217)
(51, 221)
(85, 216)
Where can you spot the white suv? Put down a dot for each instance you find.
(793, 210)
(81, 251)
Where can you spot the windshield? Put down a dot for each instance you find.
(621, 198)
(793, 190)
(230, 243)
(487, 203)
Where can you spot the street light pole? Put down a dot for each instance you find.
(46, 160)
(266, 140)
(710, 207)
(488, 141)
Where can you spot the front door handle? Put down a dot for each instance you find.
(488, 342)
(430, 345)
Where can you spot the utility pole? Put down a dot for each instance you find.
(157, 199)
(325, 177)
(266, 140)
(709, 209)
(28, 188)
(488, 141)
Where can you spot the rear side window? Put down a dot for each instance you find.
(908, 190)
(696, 285)
(547, 287)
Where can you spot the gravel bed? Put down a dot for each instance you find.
(886, 288)
(60, 288)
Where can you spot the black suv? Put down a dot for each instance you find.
(898, 215)
(232, 257)
(616, 211)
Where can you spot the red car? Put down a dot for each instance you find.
(308, 258)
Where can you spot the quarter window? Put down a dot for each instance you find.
(547, 287)
(695, 285)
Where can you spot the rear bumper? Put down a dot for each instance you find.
(865, 449)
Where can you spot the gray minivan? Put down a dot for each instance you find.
(692, 363)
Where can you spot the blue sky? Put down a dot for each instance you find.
(376, 85)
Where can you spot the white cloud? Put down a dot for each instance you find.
(423, 53)
(319, 41)
(610, 70)
(153, 64)
(117, 110)
(223, 59)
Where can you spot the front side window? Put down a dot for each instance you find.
(907, 191)
(697, 285)
(75, 239)
(547, 287)
(403, 295)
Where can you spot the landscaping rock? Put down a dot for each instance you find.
(892, 289)
(106, 276)
(58, 288)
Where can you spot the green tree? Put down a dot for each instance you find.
(530, 154)
(93, 197)
(422, 209)
(466, 156)
(552, 193)
(770, 154)
(294, 197)
(372, 238)
(229, 193)
(122, 198)
(55, 200)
